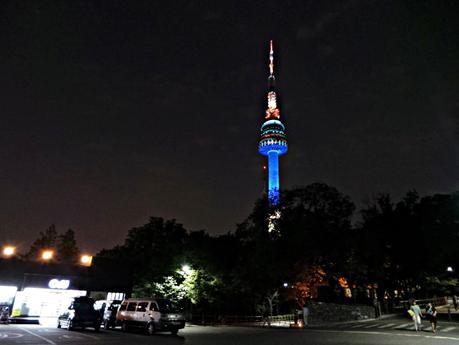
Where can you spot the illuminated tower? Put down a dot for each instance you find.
(273, 141)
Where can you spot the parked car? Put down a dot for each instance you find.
(81, 313)
(109, 315)
(153, 315)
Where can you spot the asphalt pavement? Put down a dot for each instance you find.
(393, 331)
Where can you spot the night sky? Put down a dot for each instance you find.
(115, 111)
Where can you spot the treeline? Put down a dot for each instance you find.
(395, 251)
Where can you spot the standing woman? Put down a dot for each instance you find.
(416, 314)
(432, 315)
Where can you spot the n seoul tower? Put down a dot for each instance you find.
(273, 141)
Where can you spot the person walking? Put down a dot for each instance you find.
(455, 302)
(305, 314)
(432, 315)
(416, 313)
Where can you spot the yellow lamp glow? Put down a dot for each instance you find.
(47, 255)
(9, 251)
(86, 260)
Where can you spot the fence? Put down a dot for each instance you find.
(405, 304)
(254, 320)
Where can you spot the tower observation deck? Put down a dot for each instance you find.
(273, 141)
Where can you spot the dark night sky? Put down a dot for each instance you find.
(115, 111)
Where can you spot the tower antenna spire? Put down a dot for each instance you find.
(271, 59)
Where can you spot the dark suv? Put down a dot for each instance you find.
(81, 313)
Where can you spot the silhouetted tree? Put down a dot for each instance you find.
(45, 240)
(67, 249)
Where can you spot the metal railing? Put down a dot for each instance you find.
(437, 301)
(274, 320)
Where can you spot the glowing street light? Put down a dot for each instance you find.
(285, 285)
(47, 255)
(9, 251)
(449, 269)
(186, 269)
(86, 260)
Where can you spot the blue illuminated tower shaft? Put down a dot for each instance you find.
(273, 179)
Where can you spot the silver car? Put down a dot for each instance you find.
(151, 314)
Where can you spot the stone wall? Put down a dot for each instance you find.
(330, 312)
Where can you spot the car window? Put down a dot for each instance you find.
(142, 306)
(123, 306)
(166, 306)
(131, 306)
(153, 306)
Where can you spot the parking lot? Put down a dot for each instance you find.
(360, 333)
(42, 335)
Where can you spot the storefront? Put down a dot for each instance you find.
(35, 291)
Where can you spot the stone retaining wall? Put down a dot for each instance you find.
(331, 312)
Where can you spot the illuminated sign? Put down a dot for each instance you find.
(59, 284)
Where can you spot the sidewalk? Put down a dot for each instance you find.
(448, 313)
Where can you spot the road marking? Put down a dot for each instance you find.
(417, 334)
(11, 335)
(356, 326)
(372, 326)
(87, 335)
(447, 329)
(387, 325)
(38, 336)
(404, 325)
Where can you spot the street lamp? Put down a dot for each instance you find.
(449, 269)
(86, 260)
(186, 269)
(47, 255)
(9, 251)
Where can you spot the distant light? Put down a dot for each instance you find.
(285, 285)
(449, 269)
(86, 260)
(47, 255)
(186, 269)
(9, 251)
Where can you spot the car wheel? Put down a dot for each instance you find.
(174, 331)
(151, 328)
(69, 325)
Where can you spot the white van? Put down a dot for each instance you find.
(151, 314)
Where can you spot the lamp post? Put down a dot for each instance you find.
(186, 269)
(9, 251)
(86, 260)
(47, 254)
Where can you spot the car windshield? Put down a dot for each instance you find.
(83, 308)
(166, 306)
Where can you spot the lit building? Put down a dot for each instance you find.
(273, 141)
(38, 292)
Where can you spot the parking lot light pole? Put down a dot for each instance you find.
(86, 260)
(47, 255)
(9, 251)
